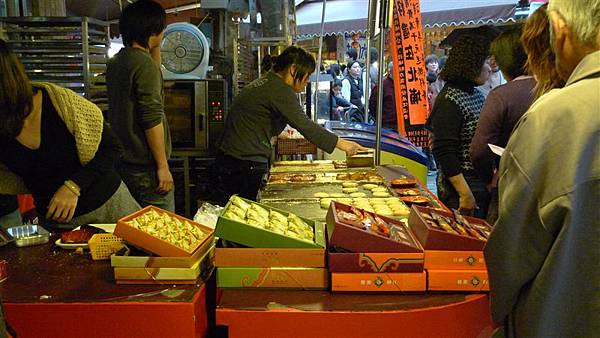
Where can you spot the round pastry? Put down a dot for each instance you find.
(349, 190)
(386, 212)
(337, 195)
(403, 182)
(349, 184)
(400, 212)
(369, 186)
(321, 194)
(325, 202)
(375, 201)
(381, 194)
(379, 189)
(358, 194)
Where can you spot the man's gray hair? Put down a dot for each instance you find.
(581, 16)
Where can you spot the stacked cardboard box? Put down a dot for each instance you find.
(171, 263)
(453, 255)
(364, 260)
(251, 256)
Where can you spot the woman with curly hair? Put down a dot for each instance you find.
(453, 121)
(540, 57)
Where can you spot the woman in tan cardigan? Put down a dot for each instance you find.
(55, 144)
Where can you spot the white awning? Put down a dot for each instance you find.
(350, 16)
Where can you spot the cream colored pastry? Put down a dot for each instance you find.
(321, 194)
(381, 194)
(374, 201)
(349, 184)
(337, 195)
(369, 186)
(325, 202)
(376, 189)
(349, 190)
(358, 194)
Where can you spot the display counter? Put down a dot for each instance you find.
(52, 292)
(262, 313)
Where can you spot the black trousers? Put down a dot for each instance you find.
(241, 177)
(448, 195)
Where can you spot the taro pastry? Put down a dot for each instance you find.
(408, 192)
(358, 176)
(303, 178)
(350, 218)
(415, 199)
(380, 227)
(80, 236)
(342, 177)
(403, 182)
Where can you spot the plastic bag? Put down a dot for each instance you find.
(208, 214)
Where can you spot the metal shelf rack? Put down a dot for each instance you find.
(69, 51)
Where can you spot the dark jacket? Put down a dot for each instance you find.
(356, 91)
(389, 118)
(135, 103)
(261, 111)
(501, 111)
(453, 121)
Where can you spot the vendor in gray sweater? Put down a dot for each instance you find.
(260, 112)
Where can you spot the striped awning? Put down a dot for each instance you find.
(487, 15)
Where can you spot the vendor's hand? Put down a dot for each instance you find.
(340, 109)
(349, 147)
(165, 180)
(62, 205)
(467, 204)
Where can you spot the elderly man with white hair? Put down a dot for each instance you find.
(543, 255)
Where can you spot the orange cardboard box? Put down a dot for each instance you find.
(269, 257)
(457, 280)
(454, 260)
(155, 245)
(375, 262)
(379, 282)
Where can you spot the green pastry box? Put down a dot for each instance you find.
(256, 237)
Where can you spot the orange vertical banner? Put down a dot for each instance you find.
(410, 85)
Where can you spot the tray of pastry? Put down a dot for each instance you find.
(325, 190)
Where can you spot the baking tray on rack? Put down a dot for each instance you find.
(308, 190)
(307, 208)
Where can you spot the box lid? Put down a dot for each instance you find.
(354, 239)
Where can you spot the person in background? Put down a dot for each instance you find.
(540, 57)
(335, 72)
(352, 86)
(55, 144)
(501, 111)
(10, 216)
(261, 111)
(351, 55)
(373, 71)
(388, 113)
(453, 121)
(543, 255)
(495, 78)
(136, 107)
(267, 63)
(432, 64)
(339, 105)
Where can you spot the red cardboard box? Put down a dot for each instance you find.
(457, 280)
(155, 245)
(454, 260)
(375, 262)
(354, 239)
(439, 239)
(379, 282)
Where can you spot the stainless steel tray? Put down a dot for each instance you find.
(307, 190)
(27, 235)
